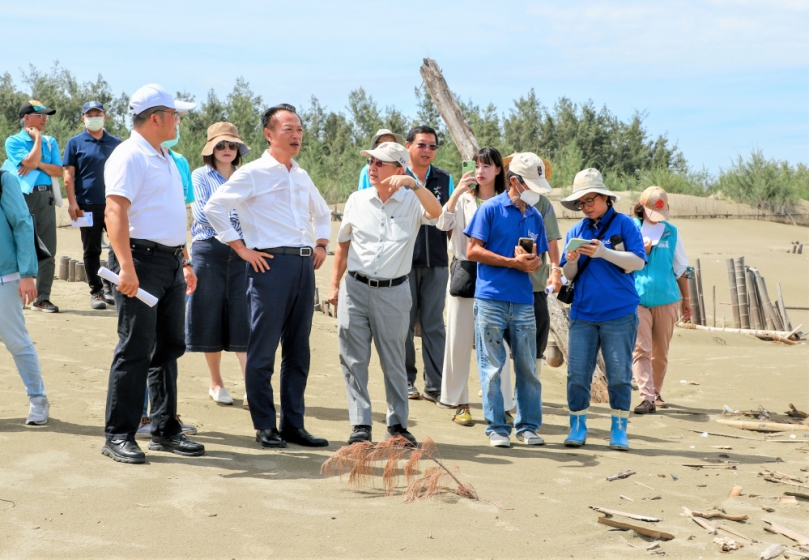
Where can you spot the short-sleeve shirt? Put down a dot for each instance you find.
(19, 145)
(499, 224)
(150, 181)
(539, 278)
(185, 175)
(382, 234)
(88, 155)
(604, 291)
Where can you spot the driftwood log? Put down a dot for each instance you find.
(467, 145)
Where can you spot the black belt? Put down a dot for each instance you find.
(42, 188)
(300, 251)
(378, 283)
(160, 247)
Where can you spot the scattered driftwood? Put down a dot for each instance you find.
(779, 477)
(701, 522)
(795, 413)
(780, 336)
(714, 513)
(772, 551)
(723, 435)
(624, 514)
(727, 544)
(734, 532)
(709, 466)
(642, 530)
(763, 426)
(802, 540)
(797, 495)
(798, 553)
(622, 474)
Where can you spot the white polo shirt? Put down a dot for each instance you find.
(382, 235)
(277, 207)
(150, 181)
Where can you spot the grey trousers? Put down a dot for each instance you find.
(381, 314)
(428, 288)
(41, 207)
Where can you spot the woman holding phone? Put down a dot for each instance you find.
(604, 311)
(475, 187)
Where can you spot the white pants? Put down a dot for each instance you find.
(458, 355)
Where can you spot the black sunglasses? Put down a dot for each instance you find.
(221, 145)
(431, 147)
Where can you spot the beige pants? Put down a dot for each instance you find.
(458, 355)
(651, 356)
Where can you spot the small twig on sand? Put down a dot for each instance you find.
(734, 532)
(9, 502)
(629, 543)
(622, 474)
(649, 487)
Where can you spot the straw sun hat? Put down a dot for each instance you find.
(220, 131)
(587, 181)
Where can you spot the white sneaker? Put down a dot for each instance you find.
(496, 440)
(38, 411)
(145, 428)
(220, 396)
(530, 437)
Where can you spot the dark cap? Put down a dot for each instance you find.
(32, 106)
(90, 105)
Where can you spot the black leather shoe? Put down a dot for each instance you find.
(361, 433)
(302, 437)
(397, 430)
(178, 444)
(107, 295)
(270, 438)
(123, 451)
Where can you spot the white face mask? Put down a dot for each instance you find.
(94, 123)
(528, 196)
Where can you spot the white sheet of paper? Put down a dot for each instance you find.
(142, 295)
(83, 221)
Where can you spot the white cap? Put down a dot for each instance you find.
(389, 151)
(531, 168)
(155, 95)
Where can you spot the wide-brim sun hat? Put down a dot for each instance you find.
(533, 169)
(655, 203)
(398, 138)
(587, 181)
(223, 131)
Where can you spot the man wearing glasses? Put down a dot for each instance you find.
(376, 241)
(146, 223)
(286, 226)
(35, 159)
(430, 272)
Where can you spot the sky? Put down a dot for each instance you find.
(720, 78)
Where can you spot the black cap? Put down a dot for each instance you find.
(32, 106)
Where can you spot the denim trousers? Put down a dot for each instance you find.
(498, 323)
(15, 336)
(616, 340)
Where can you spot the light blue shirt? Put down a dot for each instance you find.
(185, 174)
(206, 181)
(365, 181)
(19, 145)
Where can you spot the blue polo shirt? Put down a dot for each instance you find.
(88, 156)
(499, 224)
(605, 292)
(19, 145)
(185, 175)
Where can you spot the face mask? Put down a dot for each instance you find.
(94, 123)
(172, 143)
(529, 197)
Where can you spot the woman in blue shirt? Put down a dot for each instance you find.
(217, 317)
(604, 312)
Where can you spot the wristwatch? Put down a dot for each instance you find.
(417, 186)
(187, 263)
(325, 247)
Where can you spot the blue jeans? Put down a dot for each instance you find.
(15, 336)
(616, 339)
(514, 323)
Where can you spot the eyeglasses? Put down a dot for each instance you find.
(176, 114)
(431, 147)
(373, 162)
(43, 117)
(585, 202)
(221, 145)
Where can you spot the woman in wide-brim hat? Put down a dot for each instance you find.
(217, 317)
(604, 311)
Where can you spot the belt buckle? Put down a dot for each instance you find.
(372, 283)
(306, 252)
(178, 251)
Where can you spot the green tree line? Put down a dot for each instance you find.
(571, 136)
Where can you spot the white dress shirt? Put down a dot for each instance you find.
(277, 207)
(150, 181)
(382, 235)
(456, 222)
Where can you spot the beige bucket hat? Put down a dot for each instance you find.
(220, 131)
(398, 138)
(587, 181)
(655, 203)
(389, 151)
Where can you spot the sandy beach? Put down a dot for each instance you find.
(60, 498)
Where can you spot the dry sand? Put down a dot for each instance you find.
(62, 498)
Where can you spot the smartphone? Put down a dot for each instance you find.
(527, 244)
(577, 242)
(468, 166)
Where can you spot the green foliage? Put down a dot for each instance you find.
(763, 183)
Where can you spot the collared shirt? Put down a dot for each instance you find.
(277, 207)
(88, 156)
(185, 175)
(207, 181)
(150, 181)
(17, 254)
(499, 224)
(19, 145)
(382, 235)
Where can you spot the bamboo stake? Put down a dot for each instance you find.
(752, 298)
(694, 301)
(783, 307)
(773, 320)
(755, 332)
(763, 426)
(714, 305)
(702, 317)
(741, 291)
(734, 296)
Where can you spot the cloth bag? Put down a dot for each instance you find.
(462, 278)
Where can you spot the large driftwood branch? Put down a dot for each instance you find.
(448, 108)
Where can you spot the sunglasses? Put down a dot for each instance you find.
(585, 202)
(222, 144)
(431, 147)
(373, 162)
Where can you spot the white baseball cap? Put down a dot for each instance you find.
(531, 168)
(389, 151)
(155, 95)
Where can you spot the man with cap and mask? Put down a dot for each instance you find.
(85, 156)
(382, 135)
(146, 224)
(504, 298)
(35, 160)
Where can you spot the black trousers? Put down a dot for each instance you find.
(150, 339)
(543, 320)
(280, 304)
(91, 240)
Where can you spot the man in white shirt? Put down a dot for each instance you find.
(146, 219)
(376, 241)
(286, 226)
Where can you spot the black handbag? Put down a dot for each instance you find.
(39, 245)
(567, 292)
(462, 278)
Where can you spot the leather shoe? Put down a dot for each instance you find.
(178, 444)
(123, 451)
(645, 407)
(302, 437)
(270, 438)
(398, 430)
(360, 434)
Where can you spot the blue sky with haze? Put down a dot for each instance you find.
(719, 77)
